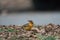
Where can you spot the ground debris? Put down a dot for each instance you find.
(17, 33)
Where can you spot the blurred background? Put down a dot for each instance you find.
(29, 5)
(19, 11)
(16, 5)
(39, 18)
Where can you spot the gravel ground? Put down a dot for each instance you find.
(14, 32)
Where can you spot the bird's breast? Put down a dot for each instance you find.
(30, 24)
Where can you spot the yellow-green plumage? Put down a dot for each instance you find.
(28, 26)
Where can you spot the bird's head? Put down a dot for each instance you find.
(30, 21)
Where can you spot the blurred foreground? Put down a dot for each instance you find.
(39, 32)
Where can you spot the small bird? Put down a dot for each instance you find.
(28, 26)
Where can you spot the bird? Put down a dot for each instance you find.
(28, 26)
